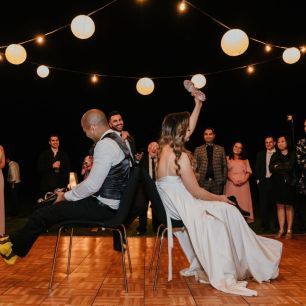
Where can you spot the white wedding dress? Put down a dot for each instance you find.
(226, 247)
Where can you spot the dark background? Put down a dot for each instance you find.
(148, 39)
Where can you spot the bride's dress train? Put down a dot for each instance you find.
(226, 247)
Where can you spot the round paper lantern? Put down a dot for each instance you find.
(291, 55)
(82, 26)
(15, 54)
(145, 86)
(198, 81)
(234, 42)
(43, 71)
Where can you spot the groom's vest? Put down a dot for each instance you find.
(118, 175)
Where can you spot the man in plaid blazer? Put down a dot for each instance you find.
(211, 163)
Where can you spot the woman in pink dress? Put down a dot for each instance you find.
(2, 211)
(238, 174)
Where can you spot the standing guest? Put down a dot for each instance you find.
(211, 163)
(95, 198)
(282, 166)
(2, 209)
(263, 180)
(148, 163)
(13, 178)
(117, 124)
(53, 167)
(239, 172)
(301, 161)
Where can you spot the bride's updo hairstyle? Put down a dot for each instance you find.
(174, 128)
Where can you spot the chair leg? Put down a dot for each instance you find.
(54, 257)
(123, 261)
(69, 252)
(158, 260)
(154, 248)
(127, 248)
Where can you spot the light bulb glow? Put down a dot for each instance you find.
(268, 48)
(40, 39)
(250, 69)
(182, 6)
(94, 79)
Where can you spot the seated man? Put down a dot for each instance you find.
(95, 198)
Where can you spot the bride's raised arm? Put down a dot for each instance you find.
(194, 116)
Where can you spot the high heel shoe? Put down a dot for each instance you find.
(288, 235)
(279, 235)
(242, 211)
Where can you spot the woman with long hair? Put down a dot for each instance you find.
(227, 249)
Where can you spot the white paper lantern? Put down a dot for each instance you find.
(234, 42)
(82, 26)
(198, 81)
(145, 86)
(42, 71)
(291, 55)
(15, 54)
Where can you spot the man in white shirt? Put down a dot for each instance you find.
(13, 178)
(263, 174)
(95, 198)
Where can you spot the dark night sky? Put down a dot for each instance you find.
(151, 39)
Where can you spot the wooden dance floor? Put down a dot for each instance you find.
(96, 277)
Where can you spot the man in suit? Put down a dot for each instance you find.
(262, 175)
(211, 163)
(53, 167)
(147, 163)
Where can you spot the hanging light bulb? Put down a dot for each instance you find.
(250, 69)
(291, 55)
(182, 6)
(94, 79)
(234, 42)
(42, 71)
(198, 81)
(40, 39)
(15, 54)
(82, 26)
(303, 49)
(268, 48)
(145, 86)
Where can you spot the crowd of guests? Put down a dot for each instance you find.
(237, 254)
(279, 173)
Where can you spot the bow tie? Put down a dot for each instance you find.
(209, 144)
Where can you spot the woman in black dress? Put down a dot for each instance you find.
(282, 167)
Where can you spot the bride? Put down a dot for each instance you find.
(225, 246)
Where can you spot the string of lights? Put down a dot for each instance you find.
(234, 42)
